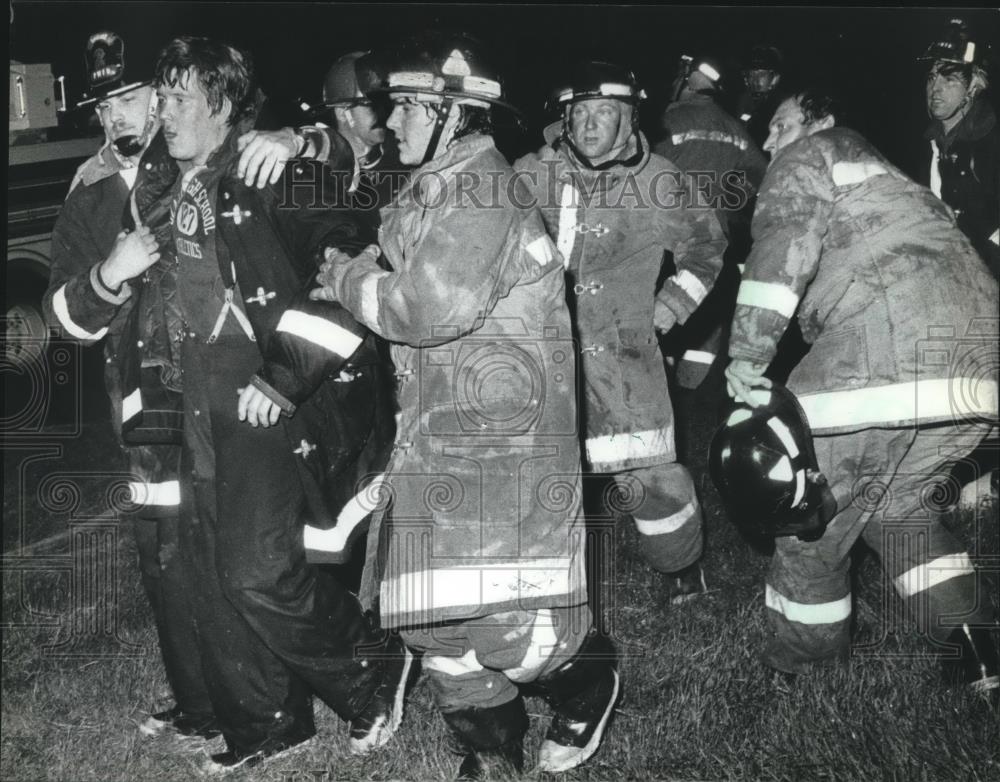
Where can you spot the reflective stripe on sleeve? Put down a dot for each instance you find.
(698, 356)
(167, 493)
(940, 398)
(613, 448)
(61, 309)
(320, 332)
(369, 298)
(768, 296)
(808, 613)
(669, 524)
(691, 285)
(930, 574)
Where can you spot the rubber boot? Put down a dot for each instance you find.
(582, 693)
(489, 738)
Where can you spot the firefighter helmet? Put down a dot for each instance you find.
(763, 464)
(959, 46)
(346, 81)
(765, 58)
(596, 79)
(106, 78)
(436, 67)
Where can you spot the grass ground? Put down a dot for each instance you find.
(696, 705)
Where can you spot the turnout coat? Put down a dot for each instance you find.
(612, 228)
(84, 309)
(900, 310)
(485, 475)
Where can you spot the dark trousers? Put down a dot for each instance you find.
(166, 583)
(271, 626)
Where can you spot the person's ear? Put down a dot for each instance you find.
(826, 123)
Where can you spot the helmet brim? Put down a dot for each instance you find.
(452, 95)
(100, 95)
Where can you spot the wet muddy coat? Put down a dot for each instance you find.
(612, 230)
(485, 476)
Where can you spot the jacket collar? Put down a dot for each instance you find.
(973, 126)
(459, 152)
(428, 176)
(105, 163)
(607, 178)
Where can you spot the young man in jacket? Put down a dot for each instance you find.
(480, 562)
(87, 239)
(898, 383)
(257, 370)
(614, 208)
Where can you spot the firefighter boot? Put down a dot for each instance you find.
(583, 693)
(490, 739)
(977, 664)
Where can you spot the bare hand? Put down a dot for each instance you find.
(745, 382)
(664, 318)
(132, 254)
(256, 408)
(264, 154)
(333, 268)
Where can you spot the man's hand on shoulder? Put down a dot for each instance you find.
(263, 154)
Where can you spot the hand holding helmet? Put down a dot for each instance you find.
(763, 464)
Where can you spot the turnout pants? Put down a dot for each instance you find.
(478, 663)
(886, 482)
(164, 578)
(271, 627)
(662, 502)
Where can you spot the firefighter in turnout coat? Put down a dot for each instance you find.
(898, 384)
(702, 138)
(613, 208)
(482, 554)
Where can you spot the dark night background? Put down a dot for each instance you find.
(870, 54)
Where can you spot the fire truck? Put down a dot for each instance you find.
(44, 150)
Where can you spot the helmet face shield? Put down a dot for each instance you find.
(763, 464)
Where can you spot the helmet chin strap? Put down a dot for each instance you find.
(443, 112)
(617, 161)
(130, 146)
